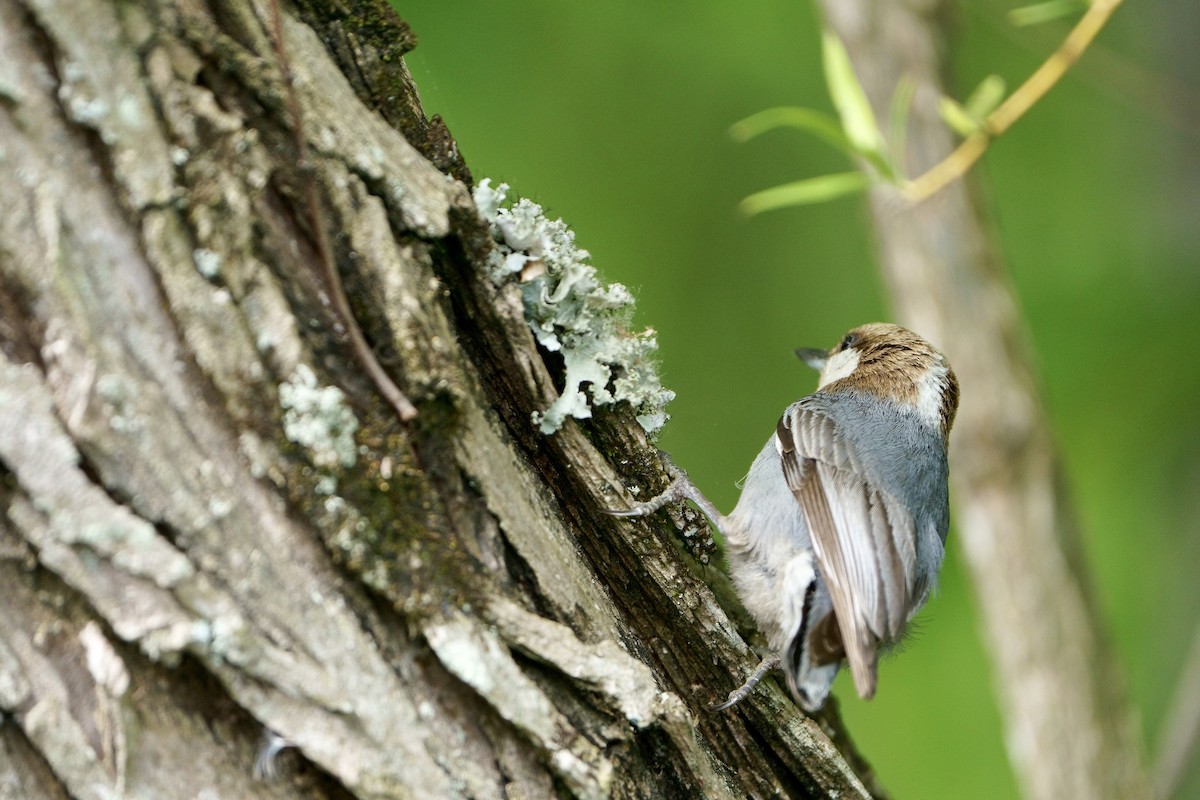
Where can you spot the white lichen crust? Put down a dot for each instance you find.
(318, 418)
(572, 312)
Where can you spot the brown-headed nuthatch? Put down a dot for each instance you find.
(840, 530)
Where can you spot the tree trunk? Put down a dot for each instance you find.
(218, 533)
(1070, 730)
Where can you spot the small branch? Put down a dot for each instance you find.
(358, 342)
(955, 165)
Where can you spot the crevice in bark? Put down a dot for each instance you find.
(24, 759)
(525, 581)
(203, 696)
(19, 329)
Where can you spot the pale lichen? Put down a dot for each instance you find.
(572, 312)
(318, 418)
(208, 262)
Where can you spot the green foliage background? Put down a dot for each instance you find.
(615, 115)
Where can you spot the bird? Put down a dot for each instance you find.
(837, 538)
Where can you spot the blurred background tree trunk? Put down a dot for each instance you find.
(224, 556)
(1071, 731)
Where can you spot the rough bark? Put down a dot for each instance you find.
(203, 541)
(1071, 732)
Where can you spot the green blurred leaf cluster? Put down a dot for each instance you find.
(854, 132)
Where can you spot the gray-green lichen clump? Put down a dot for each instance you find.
(572, 312)
(317, 417)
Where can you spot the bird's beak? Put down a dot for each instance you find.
(814, 357)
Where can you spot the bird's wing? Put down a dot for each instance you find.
(864, 539)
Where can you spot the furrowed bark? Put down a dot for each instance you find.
(216, 529)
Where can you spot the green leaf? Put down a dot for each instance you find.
(1038, 13)
(956, 116)
(818, 123)
(858, 121)
(805, 192)
(985, 98)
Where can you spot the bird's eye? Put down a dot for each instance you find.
(847, 342)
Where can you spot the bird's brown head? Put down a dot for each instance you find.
(893, 363)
